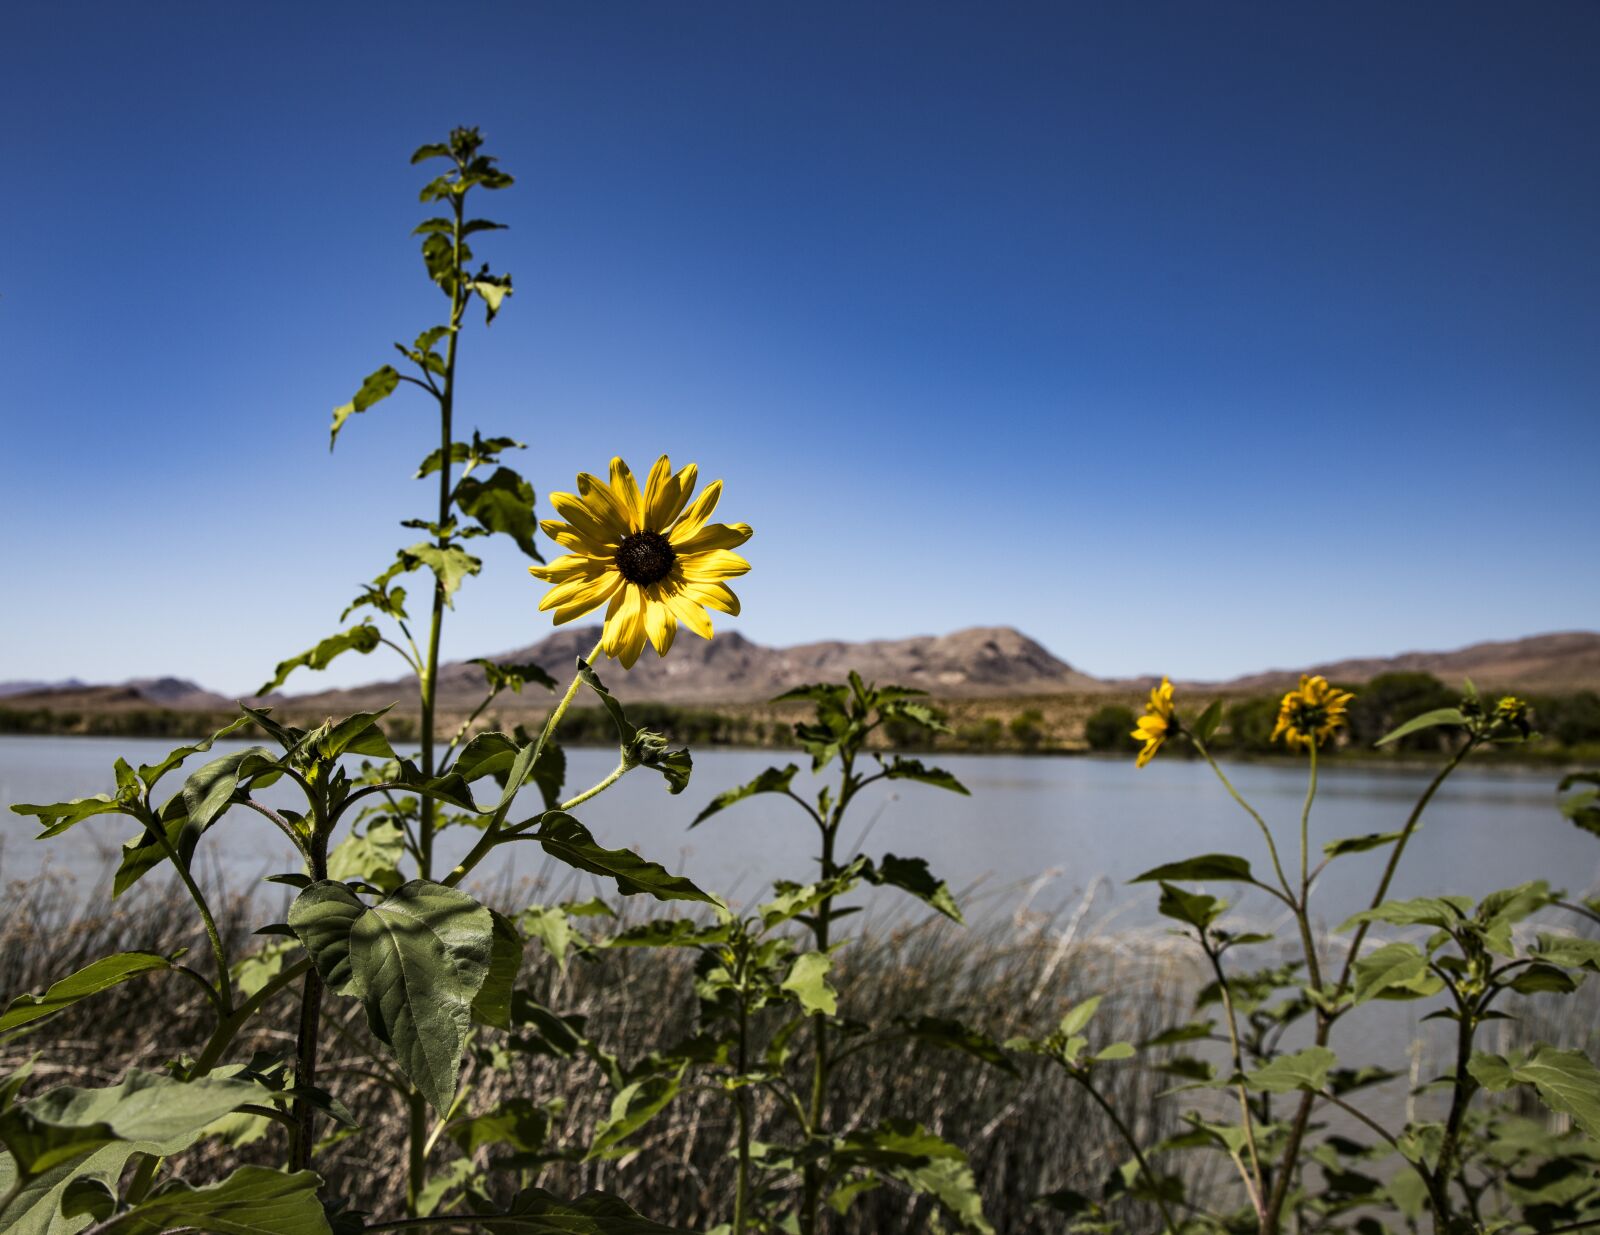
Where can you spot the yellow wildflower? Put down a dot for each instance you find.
(651, 558)
(1157, 724)
(1311, 714)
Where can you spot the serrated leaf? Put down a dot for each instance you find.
(503, 504)
(322, 917)
(450, 565)
(252, 1201)
(1304, 1069)
(772, 780)
(1192, 908)
(914, 769)
(563, 837)
(807, 982)
(635, 1105)
(912, 875)
(418, 959)
(375, 387)
(93, 978)
(1396, 970)
(209, 790)
(492, 1004)
(537, 1212)
(362, 639)
(951, 1035)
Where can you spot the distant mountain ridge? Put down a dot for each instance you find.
(988, 661)
(1565, 660)
(977, 663)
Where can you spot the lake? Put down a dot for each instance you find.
(1042, 830)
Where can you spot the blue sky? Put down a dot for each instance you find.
(1186, 338)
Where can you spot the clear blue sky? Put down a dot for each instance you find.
(1185, 337)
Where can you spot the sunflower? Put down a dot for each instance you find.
(1157, 724)
(1311, 713)
(651, 558)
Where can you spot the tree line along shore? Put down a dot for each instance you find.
(1569, 723)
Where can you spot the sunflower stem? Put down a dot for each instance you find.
(495, 833)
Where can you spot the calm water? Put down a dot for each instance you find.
(1045, 828)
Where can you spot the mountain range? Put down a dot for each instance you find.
(978, 663)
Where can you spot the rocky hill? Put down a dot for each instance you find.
(1569, 660)
(994, 662)
(983, 662)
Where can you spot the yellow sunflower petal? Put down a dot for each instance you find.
(712, 596)
(690, 614)
(715, 536)
(626, 490)
(658, 490)
(571, 566)
(673, 501)
(695, 517)
(713, 565)
(588, 602)
(659, 625)
(604, 505)
(585, 594)
(599, 524)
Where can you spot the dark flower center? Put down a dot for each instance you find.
(645, 558)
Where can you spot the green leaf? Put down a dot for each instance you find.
(93, 978)
(951, 1035)
(150, 773)
(322, 917)
(807, 982)
(520, 1123)
(69, 1123)
(1444, 912)
(362, 638)
(252, 1201)
(418, 959)
(504, 504)
(1305, 1069)
(57, 817)
(1396, 970)
(1360, 844)
(1428, 720)
(1079, 1016)
(634, 1106)
(373, 856)
(913, 769)
(450, 566)
(563, 837)
(492, 1004)
(1543, 979)
(492, 289)
(1569, 951)
(377, 386)
(668, 933)
(1194, 908)
(1219, 867)
(912, 875)
(909, 1153)
(513, 677)
(1210, 720)
(1566, 1081)
(773, 780)
(209, 790)
(538, 1212)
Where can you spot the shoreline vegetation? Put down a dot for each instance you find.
(1057, 724)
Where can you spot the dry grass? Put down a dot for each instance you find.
(1025, 1137)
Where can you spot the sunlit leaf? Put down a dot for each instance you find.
(93, 978)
